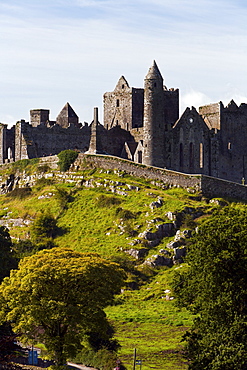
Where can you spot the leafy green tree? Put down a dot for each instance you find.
(214, 287)
(66, 158)
(7, 259)
(57, 297)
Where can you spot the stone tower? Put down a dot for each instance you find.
(123, 107)
(154, 119)
(38, 116)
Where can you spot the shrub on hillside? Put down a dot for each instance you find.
(102, 359)
(107, 201)
(66, 158)
(24, 248)
(43, 168)
(42, 182)
(124, 214)
(63, 197)
(43, 228)
(19, 193)
(25, 164)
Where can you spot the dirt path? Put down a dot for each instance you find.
(81, 367)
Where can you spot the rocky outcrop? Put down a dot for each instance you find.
(137, 253)
(158, 260)
(162, 230)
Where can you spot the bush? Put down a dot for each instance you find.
(23, 248)
(43, 168)
(63, 197)
(25, 164)
(66, 158)
(107, 201)
(102, 359)
(124, 214)
(20, 193)
(43, 228)
(42, 182)
(188, 221)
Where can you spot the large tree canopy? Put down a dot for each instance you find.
(58, 295)
(215, 288)
(7, 260)
(8, 347)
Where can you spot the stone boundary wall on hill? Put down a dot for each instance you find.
(209, 186)
(148, 172)
(213, 187)
(51, 161)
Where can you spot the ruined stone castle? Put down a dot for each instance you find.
(144, 126)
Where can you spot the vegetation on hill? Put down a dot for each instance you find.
(57, 297)
(8, 339)
(214, 287)
(66, 158)
(111, 213)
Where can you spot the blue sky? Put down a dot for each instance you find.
(54, 51)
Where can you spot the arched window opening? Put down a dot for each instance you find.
(117, 103)
(139, 155)
(201, 155)
(10, 155)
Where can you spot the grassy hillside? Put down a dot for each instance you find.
(106, 212)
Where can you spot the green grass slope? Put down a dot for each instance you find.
(105, 212)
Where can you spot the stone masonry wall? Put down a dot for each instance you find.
(209, 186)
(213, 187)
(153, 173)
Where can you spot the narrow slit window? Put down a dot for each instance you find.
(201, 155)
(139, 156)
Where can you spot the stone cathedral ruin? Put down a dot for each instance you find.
(142, 125)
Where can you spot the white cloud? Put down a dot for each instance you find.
(195, 99)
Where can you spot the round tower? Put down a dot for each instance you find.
(153, 124)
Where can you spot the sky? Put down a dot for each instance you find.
(58, 51)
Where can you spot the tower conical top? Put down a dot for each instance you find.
(154, 72)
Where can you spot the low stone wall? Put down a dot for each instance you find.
(213, 187)
(153, 173)
(209, 186)
(51, 161)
